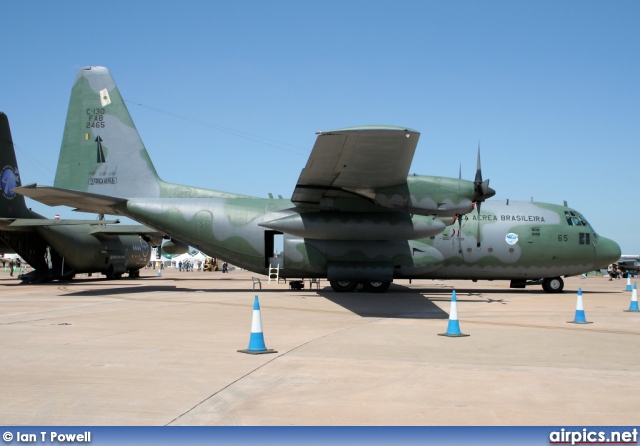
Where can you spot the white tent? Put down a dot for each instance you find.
(195, 258)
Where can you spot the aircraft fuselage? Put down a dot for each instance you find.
(518, 240)
(107, 254)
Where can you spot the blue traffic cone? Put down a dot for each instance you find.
(453, 329)
(633, 306)
(256, 342)
(628, 282)
(579, 317)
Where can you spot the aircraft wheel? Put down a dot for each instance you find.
(553, 285)
(343, 286)
(110, 275)
(376, 287)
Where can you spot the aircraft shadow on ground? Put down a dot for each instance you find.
(392, 304)
(402, 302)
(133, 290)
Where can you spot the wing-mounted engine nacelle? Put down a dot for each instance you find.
(331, 225)
(153, 239)
(174, 247)
(429, 195)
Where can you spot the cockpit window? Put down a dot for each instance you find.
(575, 219)
(568, 217)
(583, 220)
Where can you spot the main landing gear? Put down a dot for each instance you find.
(348, 286)
(550, 284)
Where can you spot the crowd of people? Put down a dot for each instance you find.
(189, 265)
(197, 265)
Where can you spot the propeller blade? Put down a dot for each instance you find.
(459, 218)
(478, 233)
(478, 179)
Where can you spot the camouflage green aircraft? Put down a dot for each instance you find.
(59, 249)
(355, 217)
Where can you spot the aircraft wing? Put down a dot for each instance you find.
(127, 230)
(150, 235)
(34, 222)
(356, 160)
(98, 227)
(82, 201)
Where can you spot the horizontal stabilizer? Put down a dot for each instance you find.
(34, 222)
(82, 201)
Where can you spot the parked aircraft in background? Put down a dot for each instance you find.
(59, 249)
(355, 216)
(629, 263)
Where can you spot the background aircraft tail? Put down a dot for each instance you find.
(12, 205)
(102, 151)
(28, 244)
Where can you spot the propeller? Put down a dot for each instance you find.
(459, 217)
(482, 192)
(481, 188)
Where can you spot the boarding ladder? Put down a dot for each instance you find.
(274, 271)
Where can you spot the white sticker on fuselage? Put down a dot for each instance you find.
(511, 238)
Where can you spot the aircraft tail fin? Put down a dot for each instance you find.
(12, 205)
(102, 151)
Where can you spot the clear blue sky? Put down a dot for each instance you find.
(233, 92)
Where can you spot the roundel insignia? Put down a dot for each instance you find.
(9, 180)
(511, 238)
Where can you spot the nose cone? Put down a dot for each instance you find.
(607, 252)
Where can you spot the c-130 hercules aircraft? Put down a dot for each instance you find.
(355, 217)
